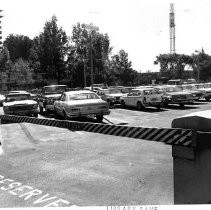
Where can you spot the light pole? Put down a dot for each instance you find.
(91, 28)
(198, 71)
(84, 60)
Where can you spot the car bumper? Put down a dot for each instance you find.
(183, 102)
(22, 112)
(83, 114)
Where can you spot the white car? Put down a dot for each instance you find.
(20, 103)
(81, 103)
(143, 97)
(2, 99)
(111, 95)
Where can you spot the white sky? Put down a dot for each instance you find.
(139, 27)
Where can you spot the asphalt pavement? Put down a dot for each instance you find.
(47, 166)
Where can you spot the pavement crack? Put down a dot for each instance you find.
(28, 134)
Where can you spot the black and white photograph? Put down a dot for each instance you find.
(105, 103)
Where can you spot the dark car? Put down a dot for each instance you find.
(174, 95)
(49, 95)
(20, 103)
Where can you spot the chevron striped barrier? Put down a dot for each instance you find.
(172, 136)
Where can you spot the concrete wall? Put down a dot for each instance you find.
(192, 175)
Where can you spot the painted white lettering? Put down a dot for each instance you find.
(30, 194)
(43, 199)
(11, 186)
(1, 177)
(6, 180)
(20, 189)
(56, 203)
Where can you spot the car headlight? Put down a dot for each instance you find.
(35, 106)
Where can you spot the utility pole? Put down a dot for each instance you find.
(91, 28)
(198, 70)
(84, 60)
(1, 16)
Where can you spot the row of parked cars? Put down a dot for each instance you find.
(156, 96)
(56, 99)
(75, 103)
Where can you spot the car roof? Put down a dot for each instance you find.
(19, 93)
(55, 86)
(143, 88)
(78, 92)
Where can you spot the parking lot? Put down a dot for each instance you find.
(58, 167)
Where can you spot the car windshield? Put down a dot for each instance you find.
(126, 90)
(173, 89)
(189, 87)
(18, 97)
(82, 96)
(54, 89)
(200, 86)
(112, 91)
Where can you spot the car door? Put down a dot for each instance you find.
(128, 99)
(59, 105)
(136, 98)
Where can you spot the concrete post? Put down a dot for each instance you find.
(192, 165)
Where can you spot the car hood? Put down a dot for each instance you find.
(53, 95)
(116, 94)
(24, 102)
(178, 93)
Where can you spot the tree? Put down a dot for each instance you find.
(18, 46)
(202, 66)
(121, 68)
(173, 65)
(79, 55)
(21, 73)
(52, 47)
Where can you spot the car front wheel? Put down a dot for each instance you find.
(182, 105)
(99, 118)
(207, 99)
(139, 106)
(35, 115)
(41, 109)
(65, 115)
(122, 104)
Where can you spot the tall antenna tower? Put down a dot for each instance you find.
(172, 29)
(0, 30)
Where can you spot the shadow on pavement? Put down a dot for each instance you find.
(148, 109)
(177, 107)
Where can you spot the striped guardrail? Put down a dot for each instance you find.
(172, 136)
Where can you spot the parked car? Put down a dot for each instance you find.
(206, 87)
(81, 103)
(174, 94)
(35, 94)
(2, 99)
(111, 95)
(49, 95)
(143, 97)
(191, 88)
(20, 104)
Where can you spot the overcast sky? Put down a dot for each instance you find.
(139, 27)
